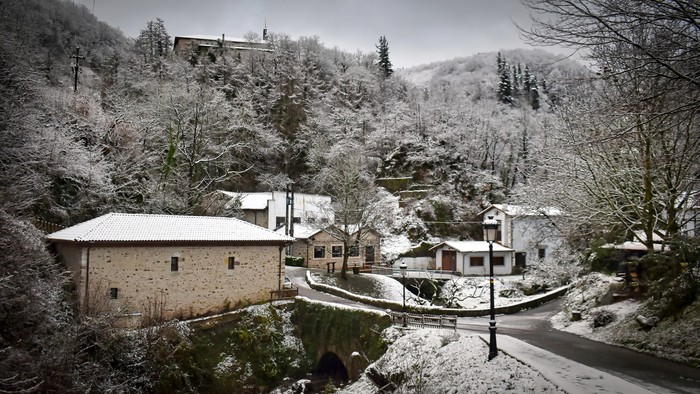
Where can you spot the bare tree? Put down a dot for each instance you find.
(626, 158)
(356, 204)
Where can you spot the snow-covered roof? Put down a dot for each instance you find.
(211, 38)
(252, 201)
(633, 246)
(126, 227)
(519, 210)
(301, 231)
(472, 246)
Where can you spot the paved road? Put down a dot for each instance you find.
(656, 374)
(533, 327)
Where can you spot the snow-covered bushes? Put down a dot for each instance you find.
(602, 318)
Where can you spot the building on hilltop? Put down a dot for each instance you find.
(185, 45)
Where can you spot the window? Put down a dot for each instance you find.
(174, 266)
(113, 293)
(337, 251)
(541, 253)
(498, 260)
(476, 261)
(231, 262)
(319, 252)
(354, 250)
(499, 233)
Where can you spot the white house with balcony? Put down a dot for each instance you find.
(530, 232)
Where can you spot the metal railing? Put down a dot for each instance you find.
(415, 273)
(424, 321)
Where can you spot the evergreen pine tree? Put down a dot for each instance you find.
(383, 51)
(505, 89)
(534, 94)
(527, 83)
(499, 63)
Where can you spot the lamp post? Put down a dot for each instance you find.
(490, 234)
(403, 268)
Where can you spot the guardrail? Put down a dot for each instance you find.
(397, 305)
(424, 320)
(415, 273)
(284, 294)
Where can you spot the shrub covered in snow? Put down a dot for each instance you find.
(602, 318)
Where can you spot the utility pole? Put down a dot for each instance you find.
(76, 67)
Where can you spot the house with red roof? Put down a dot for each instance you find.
(169, 265)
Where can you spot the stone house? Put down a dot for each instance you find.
(318, 248)
(183, 266)
(472, 257)
(530, 232)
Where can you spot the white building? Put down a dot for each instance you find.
(472, 257)
(530, 232)
(271, 209)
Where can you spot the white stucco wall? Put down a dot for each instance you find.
(463, 262)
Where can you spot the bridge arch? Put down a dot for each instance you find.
(332, 366)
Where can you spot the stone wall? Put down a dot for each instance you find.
(202, 284)
(324, 239)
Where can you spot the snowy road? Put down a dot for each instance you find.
(533, 327)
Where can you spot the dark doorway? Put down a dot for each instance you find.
(520, 259)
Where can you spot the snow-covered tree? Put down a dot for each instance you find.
(384, 63)
(631, 146)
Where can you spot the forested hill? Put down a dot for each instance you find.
(147, 131)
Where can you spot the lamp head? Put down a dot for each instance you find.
(490, 229)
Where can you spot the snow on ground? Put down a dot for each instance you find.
(675, 338)
(441, 361)
(470, 293)
(434, 361)
(586, 298)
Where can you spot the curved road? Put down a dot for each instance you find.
(532, 326)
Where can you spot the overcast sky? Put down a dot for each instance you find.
(418, 31)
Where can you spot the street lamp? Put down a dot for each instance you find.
(403, 268)
(490, 234)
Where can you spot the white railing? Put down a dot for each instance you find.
(414, 273)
